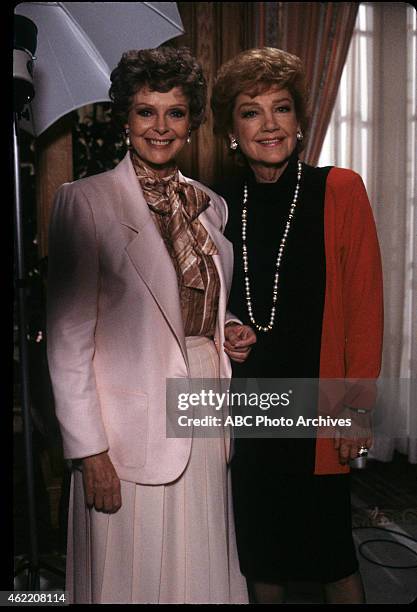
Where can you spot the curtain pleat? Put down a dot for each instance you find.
(320, 34)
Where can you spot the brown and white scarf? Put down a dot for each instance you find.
(183, 203)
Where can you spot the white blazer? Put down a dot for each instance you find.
(115, 329)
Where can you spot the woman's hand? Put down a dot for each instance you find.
(238, 341)
(101, 483)
(359, 434)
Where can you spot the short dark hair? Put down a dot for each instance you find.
(254, 72)
(159, 69)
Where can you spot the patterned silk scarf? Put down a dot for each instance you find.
(182, 202)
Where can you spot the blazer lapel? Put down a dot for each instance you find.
(224, 246)
(223, 261)
(150, 257)
(147, 249)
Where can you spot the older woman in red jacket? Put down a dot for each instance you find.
(307, 277)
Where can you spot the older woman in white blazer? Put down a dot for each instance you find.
(139, 277)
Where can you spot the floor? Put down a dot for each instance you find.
(384, 516)
(384, 509)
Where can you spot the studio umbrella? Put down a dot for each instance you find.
(79, 44)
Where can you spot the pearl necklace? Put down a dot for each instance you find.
(266, 328)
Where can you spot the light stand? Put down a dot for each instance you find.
(24, 48)
(33, 565)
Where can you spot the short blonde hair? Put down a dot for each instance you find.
(254, 72)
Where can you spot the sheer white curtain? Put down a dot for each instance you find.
(373, 131)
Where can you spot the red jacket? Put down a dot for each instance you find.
(351, 343)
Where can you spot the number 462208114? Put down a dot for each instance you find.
(38, 597)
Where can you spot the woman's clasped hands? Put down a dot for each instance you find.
(238, 341)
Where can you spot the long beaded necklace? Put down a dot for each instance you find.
(266, 328)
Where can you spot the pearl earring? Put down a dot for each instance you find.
(233, 143)
(127, 138)
(189, 137)
(299, 136)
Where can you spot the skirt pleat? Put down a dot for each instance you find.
(171, 543)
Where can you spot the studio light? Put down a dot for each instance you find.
(24, 48)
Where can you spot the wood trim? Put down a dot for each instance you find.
(215, 32)
(205, 51)
(54, 166)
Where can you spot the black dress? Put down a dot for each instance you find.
(290, 523)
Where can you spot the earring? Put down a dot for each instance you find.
(189, 137)
(299, 136)
(127, 138)
(233, 143)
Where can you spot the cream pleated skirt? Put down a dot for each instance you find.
(171, 543)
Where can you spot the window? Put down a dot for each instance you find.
(411, 101)
(353, 136)
(348, 141)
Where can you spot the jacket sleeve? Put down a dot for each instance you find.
(72, 303)
(229, 317)
(362, 298)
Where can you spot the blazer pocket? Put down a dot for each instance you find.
(125, 415)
